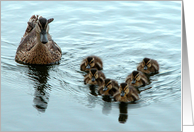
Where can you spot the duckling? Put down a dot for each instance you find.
(110, 87)
(148, 66)
(94, 77)
(137, 79)
(37, 46)
(91, 62)
(126, 93)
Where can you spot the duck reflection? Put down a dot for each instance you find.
(123, 108)
(40, 75)
(123, 112)
(107, 106)
(93, 90)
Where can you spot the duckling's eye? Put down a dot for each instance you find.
(149, 64)
(95, 74)
(108, 84)
(92, 62)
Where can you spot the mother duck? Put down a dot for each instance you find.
(37, 46)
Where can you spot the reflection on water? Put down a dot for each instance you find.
(106, 98)
(40, 75)
(93, 90)
(123, 112)
(122, 33)
(107, 107)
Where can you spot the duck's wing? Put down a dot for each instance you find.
(27, 42)
(31, 24)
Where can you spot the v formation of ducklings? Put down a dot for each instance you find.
(37, 47)
(126, 91)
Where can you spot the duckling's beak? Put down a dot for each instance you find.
(93, 79)
(88, 66)
(43, 36)
(122, 93)
(105, 88)
(145, 68)
(133, 81)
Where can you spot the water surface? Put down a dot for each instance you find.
(122, 33)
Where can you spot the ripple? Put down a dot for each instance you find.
(122, 33)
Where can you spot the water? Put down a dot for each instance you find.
(122, 33)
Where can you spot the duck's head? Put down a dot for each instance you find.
(42, 28)
(146, 63)
(107, 84)
(93, 74)
(135, 77)
(90, 62)
(123, 89)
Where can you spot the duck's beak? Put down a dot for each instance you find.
(93, 79)
(105, 88)
(133, 81)
(145, 68)
(122, 93)
(43, 36)
(88, 66)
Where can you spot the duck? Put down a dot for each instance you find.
(126, 93)
(137, 79)
(36, 45)
(91, 62)
(109, 88)
(148, 66)
(94, 77)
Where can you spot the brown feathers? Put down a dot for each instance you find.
(126, 93)
(37, 46)
(148, 66)
(94, 77)
(91, 62)
(137, 79)
(110, 87)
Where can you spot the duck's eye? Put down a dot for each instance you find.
(92, 62)
(149, 64)
(137, 76)
(108, 84)
(95, 74)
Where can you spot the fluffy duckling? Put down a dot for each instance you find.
(94, 77)
(126, 93)
(137, 79)
(148, 66)
(91, 62)
(37, 46)
(110, 87)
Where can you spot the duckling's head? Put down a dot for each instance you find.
(90, 62)
(93, 74)
(123, 89)
(146, 63)
(135, 77)
(42, 28)
(107, 84)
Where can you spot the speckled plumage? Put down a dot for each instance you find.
(139, 77)
(110, 87)
(96, 63)
(131, 93)
(32, 51)
(152, 66)
(94, 73)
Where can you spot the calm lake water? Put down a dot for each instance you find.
(122, 33)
